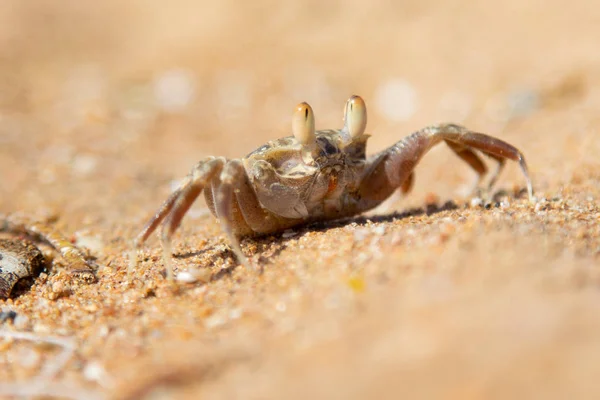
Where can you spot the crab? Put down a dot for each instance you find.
(313, 176)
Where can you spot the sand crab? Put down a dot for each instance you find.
(313, 176)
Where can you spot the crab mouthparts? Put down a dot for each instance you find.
(333, 182)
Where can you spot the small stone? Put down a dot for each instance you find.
(95, 372)
(185, 277)
(59, 289)
(379, 230)
(288, 233)
(198, 275)
(103, 331)
(360, 234)
(42, 329)
(21, 322)
(541, 205)
(214, 321)
(476, 202)
(356, 284)
(236, 313)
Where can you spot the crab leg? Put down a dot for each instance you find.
(391, 168)
(224, 206)
(174, 208)
(474, 161)
(235, 200)
(254, 218)
(408, 184)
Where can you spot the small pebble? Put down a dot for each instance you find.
(236, 313)
(379, 230)
(356, 284)
(185, 277)
(21, 322)
(60, 288)
(476, 202)
(198, 275)
(95, 372)
(288, 233)
(214, 321)
(360, 234)
(540, 205)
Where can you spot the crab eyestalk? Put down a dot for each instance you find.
(303, 128)
(355, 118)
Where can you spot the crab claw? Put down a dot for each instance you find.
(303, 124)
(355, 117)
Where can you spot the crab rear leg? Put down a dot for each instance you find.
(393, 167)
(474, 161)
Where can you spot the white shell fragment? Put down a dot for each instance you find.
(193, 276)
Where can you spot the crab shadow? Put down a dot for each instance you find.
(216, 253)
(269, 247)
(428, 210)
(266, 252)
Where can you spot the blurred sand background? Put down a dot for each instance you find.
(104, 106)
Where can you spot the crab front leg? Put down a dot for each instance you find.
(229, 210)
(236, 204)
(392, 167)
(175, 207)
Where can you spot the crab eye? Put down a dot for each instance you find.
(355, 116)
(303, 124)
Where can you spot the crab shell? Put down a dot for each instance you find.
(296, 184)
